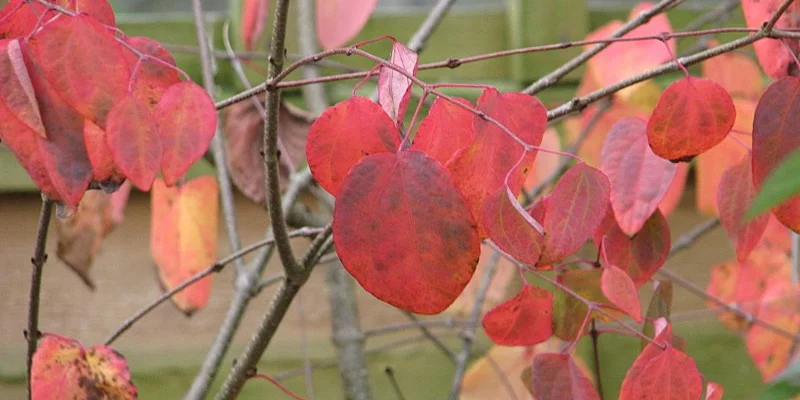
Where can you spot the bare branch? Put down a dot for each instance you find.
(553, 77)
(431, 336)
(212, 269)
(395, 386)
(37, 265)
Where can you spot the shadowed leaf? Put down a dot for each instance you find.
(770, 351)
(393, 227)
(734, 196)
(660, 307)
(555, 376)
(446, 129)
(152, 77)
(711, 165)
(254, 13)
(511, 228)
(642, 255)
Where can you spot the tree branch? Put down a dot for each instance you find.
(428, 27)
(37, 265)
(469, 333)
(641, 19)
(212, 269)
(431, 336)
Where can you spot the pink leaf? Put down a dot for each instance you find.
(394, 88)
(339, 21)
(620, 289)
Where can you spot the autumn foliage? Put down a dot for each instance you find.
(418, 205)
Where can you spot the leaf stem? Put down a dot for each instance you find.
(37, 264)
(595, 335)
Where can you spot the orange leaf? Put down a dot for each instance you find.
(692, 116)
(183, 237)
(735, 72)
(394, 243)
(62, 368)
(780, 307)
(187, 120)
(524, 320)
(639, 178)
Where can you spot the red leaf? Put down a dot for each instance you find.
(24, 20)
(333, 145)
(152, 77)
(187, 120)
(558, 377)
(620, 290)
(775, 136)
(254, 13)
(84, 63)
(642, 255)
(394, 242)
(394, 88)
(639, 178)
(692, 116)
(98, 9)
(714, 391)
(662, 374)
(183, 237)
(575, 208)
(511, 228)
(103, 167)
(134, 141)
(18, 94)
(63, 152)
(339, 21)
(672, 198)
(774, 56)
(734, 197)
(481, 168)
(62, 368)
(18, 136)
(446, 130)
(770, 351)
(524, 320)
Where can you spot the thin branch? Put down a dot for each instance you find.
(431, 336)
(253, 55)
(641, 19)
(217, 144)
(595, 335)
(691, 237)
(277, 310)
(399, 327)
(428, 27)
(395, 386)
(37, 265)
(469, 333)
(212, 269)
(718, 13)
(272, 105)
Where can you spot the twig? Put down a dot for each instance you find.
(217, 145)
(212, 269)
(430, 336)
(277, 310)
(37, 265)
(691, 237)
(595, 335)
(399, 327)
(716, 14)
(502, 376)
(428, 27)
(777, 15)
(641, 19)
(253, 55)
(390, 373)
(469, 333)
(308, 368)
